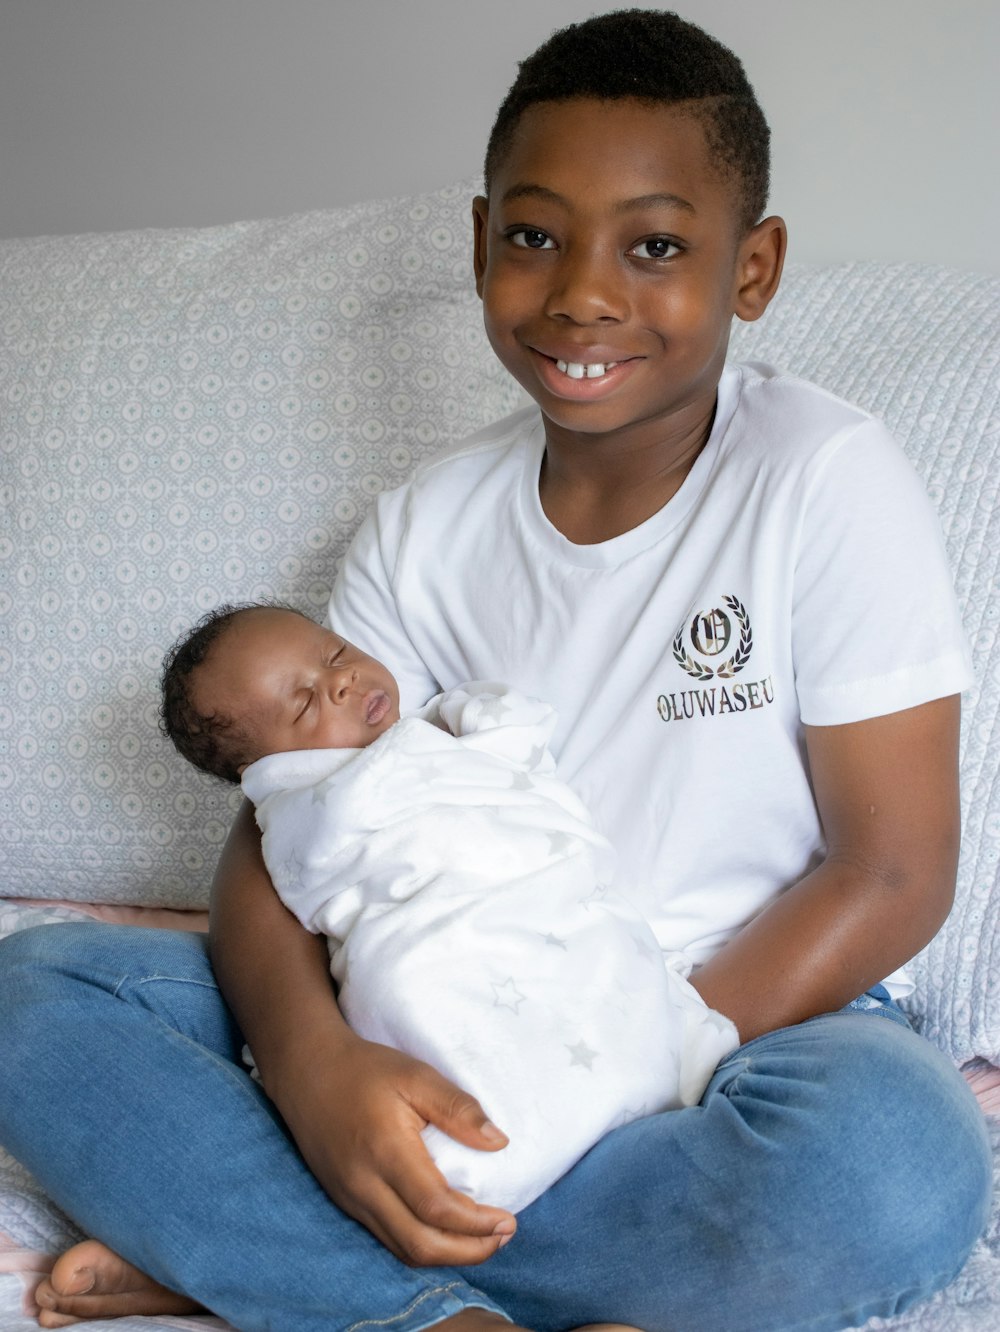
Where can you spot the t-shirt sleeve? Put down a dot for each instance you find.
(875, 622)
(363, 605)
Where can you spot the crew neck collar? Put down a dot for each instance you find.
(606, 554)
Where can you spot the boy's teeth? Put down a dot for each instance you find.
(577, 370)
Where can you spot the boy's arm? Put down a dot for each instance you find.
(354, 1108)
(887, 793)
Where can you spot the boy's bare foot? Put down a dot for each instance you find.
(91, 1281)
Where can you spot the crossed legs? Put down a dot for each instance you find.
(834, 1171)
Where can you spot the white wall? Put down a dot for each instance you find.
(126, 113)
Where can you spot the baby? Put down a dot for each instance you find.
(461, 885)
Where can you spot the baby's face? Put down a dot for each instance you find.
(295, 685)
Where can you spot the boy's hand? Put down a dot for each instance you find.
(357, 1119)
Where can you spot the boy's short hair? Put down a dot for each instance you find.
(212, 742)
(656, 57)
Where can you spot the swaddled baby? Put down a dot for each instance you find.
(461, 886)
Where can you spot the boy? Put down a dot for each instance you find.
(696, 564)
(460, 884)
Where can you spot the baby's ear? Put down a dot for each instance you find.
(758, 270)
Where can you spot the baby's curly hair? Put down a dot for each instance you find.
(655, 57)
(214, 743)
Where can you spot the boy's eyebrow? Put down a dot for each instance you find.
(526, 191)
(662, 200)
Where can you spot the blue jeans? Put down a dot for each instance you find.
(833, 1171)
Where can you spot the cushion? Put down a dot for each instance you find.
(189, 417)
(920, 347)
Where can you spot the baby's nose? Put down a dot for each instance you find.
(341, 682)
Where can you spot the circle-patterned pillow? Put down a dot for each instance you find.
(191, 417)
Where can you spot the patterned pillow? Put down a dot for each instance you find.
(920, 347)
(190, 417)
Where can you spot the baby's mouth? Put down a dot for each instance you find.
(583, 370)
(376, 707)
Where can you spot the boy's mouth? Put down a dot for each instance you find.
(585, 370)
(582, 381)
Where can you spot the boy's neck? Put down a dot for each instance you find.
(593, 488)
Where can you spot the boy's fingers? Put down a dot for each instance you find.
(425, 1193)
(385, 1178)
(419, 1244)
(458, 1114)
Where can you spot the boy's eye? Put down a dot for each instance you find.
(656, 247)
(529, 238)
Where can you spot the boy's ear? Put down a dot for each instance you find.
(759, 265)
(480, 229)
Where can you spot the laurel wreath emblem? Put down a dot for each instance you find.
(728, 668)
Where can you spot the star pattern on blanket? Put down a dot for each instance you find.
(628, 1114)
(522, 782)
(581, 1054)
(416, 769)
(536, 756)
(432, 769)
(494, 709)
(646, 948)
(508, 995)
(560, 843)
(595, 897)
(290, 871)
(553, 941)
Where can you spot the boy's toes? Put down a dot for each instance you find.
(92, 1281)
(48, 1319)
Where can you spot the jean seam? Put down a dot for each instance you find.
(139, 981)
(410, 1308)
(739, 1067)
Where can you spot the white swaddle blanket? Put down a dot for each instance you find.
(463, 891)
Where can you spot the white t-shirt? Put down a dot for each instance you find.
(797, 576)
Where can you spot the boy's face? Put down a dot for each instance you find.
(610, 261)
(295, 685)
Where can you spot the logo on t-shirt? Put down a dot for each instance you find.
(710, 634)
(715, 644)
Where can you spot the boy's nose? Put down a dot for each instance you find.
(587, 286)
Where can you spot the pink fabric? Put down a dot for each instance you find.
(163, 918)
(984, 1079)
(24, 1261)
